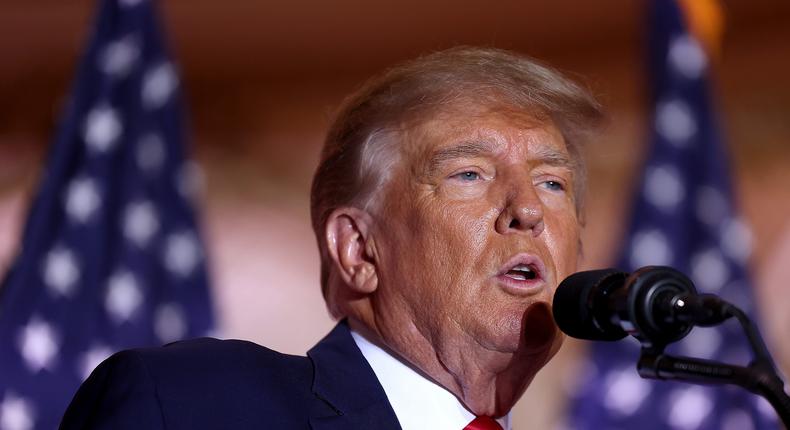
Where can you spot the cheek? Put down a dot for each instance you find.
(464, 213)
(459, 191)
(443, 245)
(562, 239)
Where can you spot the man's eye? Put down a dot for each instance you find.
(468, 176)
(553, 185)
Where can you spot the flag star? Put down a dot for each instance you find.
(625, 391)
(119, 57)
(689, 407)
(687, 57)
(123, 296)
(150, 153)
(61, 271)
(650, 248)
(189, 180)
(736, 239)
(140, 223)
(159, 84)
(170, 323)
(182, 253)
(664, 187)
(702, 342)
(709, 270)
(16, 413)
(92, 358)
(103, 127)
(675, 122)
(82, 199)
(38, 345)
(129, 3)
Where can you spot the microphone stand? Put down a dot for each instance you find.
(760, 376)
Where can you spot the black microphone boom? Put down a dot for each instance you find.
(656, 304)
(659, 305)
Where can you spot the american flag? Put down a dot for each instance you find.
(111, 257)
(683, 217)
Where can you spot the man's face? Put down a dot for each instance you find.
(476, 227)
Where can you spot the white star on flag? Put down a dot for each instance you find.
(158, 84)
(103, 127)
(123, 296)
(182, 253)
(15, 413)
(120, 56)
(82, 199)
(92, 358)
(140, 222)
(61, 271)
(38, 345)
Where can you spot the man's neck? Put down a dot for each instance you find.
(486, 382)
(418, 401)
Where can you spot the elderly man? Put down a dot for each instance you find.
(447, 208)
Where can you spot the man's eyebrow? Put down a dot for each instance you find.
(545, 155)
(462, 150)
(552, 157)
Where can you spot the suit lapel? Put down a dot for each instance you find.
(345, 382)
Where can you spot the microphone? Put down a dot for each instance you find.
(656, 304)
(659, 305)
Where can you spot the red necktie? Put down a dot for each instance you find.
(483, 423)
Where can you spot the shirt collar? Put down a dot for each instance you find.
(418, 402)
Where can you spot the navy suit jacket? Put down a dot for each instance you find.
(233, 384)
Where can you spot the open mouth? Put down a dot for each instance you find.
(522, 272)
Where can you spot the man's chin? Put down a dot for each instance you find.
(531, 332)
(539, 334)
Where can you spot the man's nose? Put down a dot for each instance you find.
(523, 211)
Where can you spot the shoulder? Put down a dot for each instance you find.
(207, 362)
(214, 353)
(201, 383)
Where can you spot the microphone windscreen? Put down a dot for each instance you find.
(578, 298)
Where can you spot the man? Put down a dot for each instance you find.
(447, 208)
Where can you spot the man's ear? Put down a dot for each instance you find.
(349, 242)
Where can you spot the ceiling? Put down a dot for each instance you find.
(243, 43)
(308, 38)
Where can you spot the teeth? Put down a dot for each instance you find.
(521, 272)
(522, 267)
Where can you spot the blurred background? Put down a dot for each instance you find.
(262, 80)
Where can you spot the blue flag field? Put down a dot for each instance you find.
(111, 256)
(684, 217)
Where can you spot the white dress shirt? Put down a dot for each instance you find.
(418, 402)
